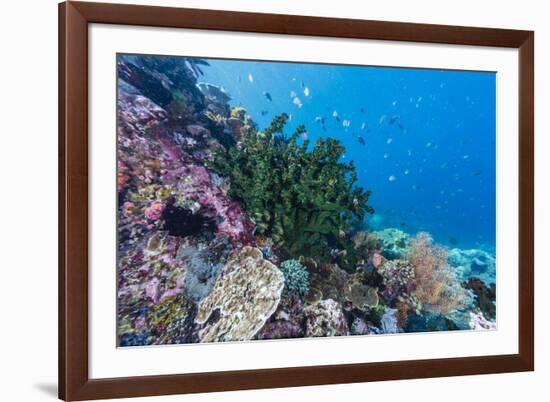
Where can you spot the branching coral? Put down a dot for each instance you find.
(296, 277)
(434, 285)
(305, 200)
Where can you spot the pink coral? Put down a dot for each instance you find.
(196, 184)
(155, 210)
(152, 290)
(128, 208)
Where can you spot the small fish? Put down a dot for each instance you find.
(318, 119)
(409, 152)
(382, 118)
(239, 78)
(389, 141)
(393, 119)
(362, 110)
(429, 144)
(335, 114)
(250, 78)
(361, 140)
(302, 84)
(466, 156)
(304, 136)
(392, 178)
(394, 103)
(386, 156)
(415, 187)
(454, 241)
(292, 94)
(402, 224)
(306, 91)
(401, 127)
(346, 123)
(297, 102)
(264, 112)
(406, 171)
(419, 99)
(268, 96)
(477, 173)
(363, 125)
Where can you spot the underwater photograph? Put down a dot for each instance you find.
(262, 200)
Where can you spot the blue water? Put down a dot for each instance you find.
(429, 136)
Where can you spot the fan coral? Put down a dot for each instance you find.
(325, 318)
(303, 199)
(296, 277)
(245, 294)
(434, 285)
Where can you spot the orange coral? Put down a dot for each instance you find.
(435, 285)
(402, 313)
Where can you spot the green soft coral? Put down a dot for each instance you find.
(305, 200)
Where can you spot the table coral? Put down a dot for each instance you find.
(245, 295)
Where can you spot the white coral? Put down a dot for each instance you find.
(246, 294)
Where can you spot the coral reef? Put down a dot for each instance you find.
(328, 280)
(288, 321)
(479, 322)
(434, 285)
(296, 277)
(305, 200)
(396, 274)
(389, 321)
(325, 318)
(394, 242)
(473, 262)
(484, 296)
(226, 232)
(245, 295)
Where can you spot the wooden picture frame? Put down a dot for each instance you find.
(74, 381)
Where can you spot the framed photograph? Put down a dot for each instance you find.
(259, 200)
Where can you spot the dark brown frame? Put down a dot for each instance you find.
(74, 17)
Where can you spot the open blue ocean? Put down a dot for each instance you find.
(423, 140)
